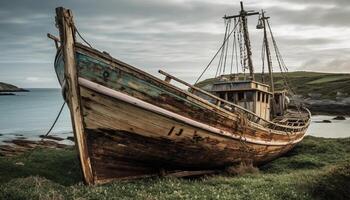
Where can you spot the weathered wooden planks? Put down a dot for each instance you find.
(126, 141)
(65, 25)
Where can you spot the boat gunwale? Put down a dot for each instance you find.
(294, 129)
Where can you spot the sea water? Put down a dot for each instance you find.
(30, 114)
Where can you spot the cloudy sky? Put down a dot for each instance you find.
(178, 36)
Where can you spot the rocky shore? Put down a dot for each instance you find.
(22, 145)
(8, 89)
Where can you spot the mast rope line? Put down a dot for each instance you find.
(283, 67)
(206, 68)
(227, 44)
(221, 60)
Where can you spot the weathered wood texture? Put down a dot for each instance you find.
(72, 93)
(125, 140)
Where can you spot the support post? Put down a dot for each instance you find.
(64, 20)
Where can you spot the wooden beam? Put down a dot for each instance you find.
(55, 39)
(64, 19)
(167, 79)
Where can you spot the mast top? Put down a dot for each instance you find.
(242, 13)
(243, 18)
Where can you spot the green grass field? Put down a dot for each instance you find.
(303, 83)
(317, 168)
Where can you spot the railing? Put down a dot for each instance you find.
(251, 116)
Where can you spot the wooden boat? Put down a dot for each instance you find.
(129, 124)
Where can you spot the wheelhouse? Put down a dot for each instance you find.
(248, 94)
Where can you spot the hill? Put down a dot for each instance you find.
(5, 87)
(308, 84)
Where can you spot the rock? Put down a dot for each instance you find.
(20, 138)
(18, 146)
(6, 94)
(70, 138)
(339, 118)
(51, 137)
(324, 121)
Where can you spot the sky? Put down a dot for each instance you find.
(177, 36)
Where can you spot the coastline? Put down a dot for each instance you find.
(12, 92)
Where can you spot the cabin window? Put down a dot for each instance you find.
(222, 95)
(230, 97)
(240, 96)
(267, 98)
(259, 93)
(262, 97)
(249, 96)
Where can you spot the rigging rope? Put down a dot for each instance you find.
(76, 30)
(227, 44)
(221, 60)
(206, 68)
(282, 66)
(58, 115)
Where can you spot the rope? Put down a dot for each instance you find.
(227, 44)
(233, 49)
(76, 30)
(206, 68)
(59, 113)
(282, 66)
(222, 52)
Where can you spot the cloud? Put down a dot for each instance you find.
(179, 36)
(38, 79)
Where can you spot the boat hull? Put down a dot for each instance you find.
(136, 125)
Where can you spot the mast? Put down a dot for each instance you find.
(247, 41)
(268, 54)
(269, 62)
(243, 15)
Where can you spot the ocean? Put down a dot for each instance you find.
(30, 114)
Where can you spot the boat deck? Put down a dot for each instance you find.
(292, 118)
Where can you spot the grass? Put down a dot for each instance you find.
(317, 168)
(304, 83)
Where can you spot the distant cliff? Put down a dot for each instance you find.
(5, 87)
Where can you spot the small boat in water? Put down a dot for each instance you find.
(129, 124)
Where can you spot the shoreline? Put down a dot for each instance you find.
(15, 147)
